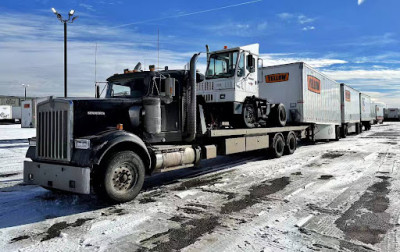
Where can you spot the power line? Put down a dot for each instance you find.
(189, 14)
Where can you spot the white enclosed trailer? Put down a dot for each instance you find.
(309, 96)
(366, 111)
(350, 105)
(10, 113)
(392, 114)
(379, 112)
(5, 112)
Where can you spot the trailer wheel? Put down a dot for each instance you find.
(278, 146)
(291, 143)
(123, 177)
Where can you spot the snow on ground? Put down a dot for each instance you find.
(328, 196)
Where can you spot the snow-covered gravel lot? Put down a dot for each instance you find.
(331, 196)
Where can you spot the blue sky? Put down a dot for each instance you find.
(352, 41)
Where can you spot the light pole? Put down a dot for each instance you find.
(25, 86)
(65, 21)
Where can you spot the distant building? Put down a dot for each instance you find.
(14, 101)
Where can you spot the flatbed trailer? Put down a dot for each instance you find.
(277, 141)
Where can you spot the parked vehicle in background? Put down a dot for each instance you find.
(367, 111)
(9, 113)
(28, 113)
(379, 112)
(392, 114)
(5, 112)
(309, 97)
(350, 108)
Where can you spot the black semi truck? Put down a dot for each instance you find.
(149, 122)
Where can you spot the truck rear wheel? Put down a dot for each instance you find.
(123, 178)
(291, 143)
(278, 146)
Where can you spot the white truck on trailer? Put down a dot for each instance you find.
(350, 105)
(309, 97)
(366, 111)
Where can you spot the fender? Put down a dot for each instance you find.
(103, 143)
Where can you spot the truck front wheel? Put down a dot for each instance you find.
(124, 174)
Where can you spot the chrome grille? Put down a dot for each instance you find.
(54, 130)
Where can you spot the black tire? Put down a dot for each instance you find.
(278, 114)
(291, 143)
(249, 118)
(278, 146)
(122, 178)
(337, 133)
(344, 131)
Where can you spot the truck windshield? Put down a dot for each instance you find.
(126, 89)
(222, 65)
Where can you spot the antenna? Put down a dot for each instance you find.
(158, 48)
(95, 70)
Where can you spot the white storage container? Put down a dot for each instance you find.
(308, 95)
(350, 104)
(366, 108)
(27, 114)
(5, 112)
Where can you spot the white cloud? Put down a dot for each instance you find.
(285, 16)
(360, 2)
(31, 49)
(382, 84)
(278, 59)
(304, 20)
(308, 28)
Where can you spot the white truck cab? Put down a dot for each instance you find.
(231, 93)
(231, 75)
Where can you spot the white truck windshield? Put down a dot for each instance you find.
(222, 65)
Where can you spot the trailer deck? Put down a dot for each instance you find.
(256, 131)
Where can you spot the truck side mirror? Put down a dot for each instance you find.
(199, 77)
(251, 62)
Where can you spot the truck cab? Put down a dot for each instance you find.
(231, 75)
(230, 90)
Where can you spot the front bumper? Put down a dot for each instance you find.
(61, 177)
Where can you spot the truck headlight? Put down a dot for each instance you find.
(32, 142)
(83, 144)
